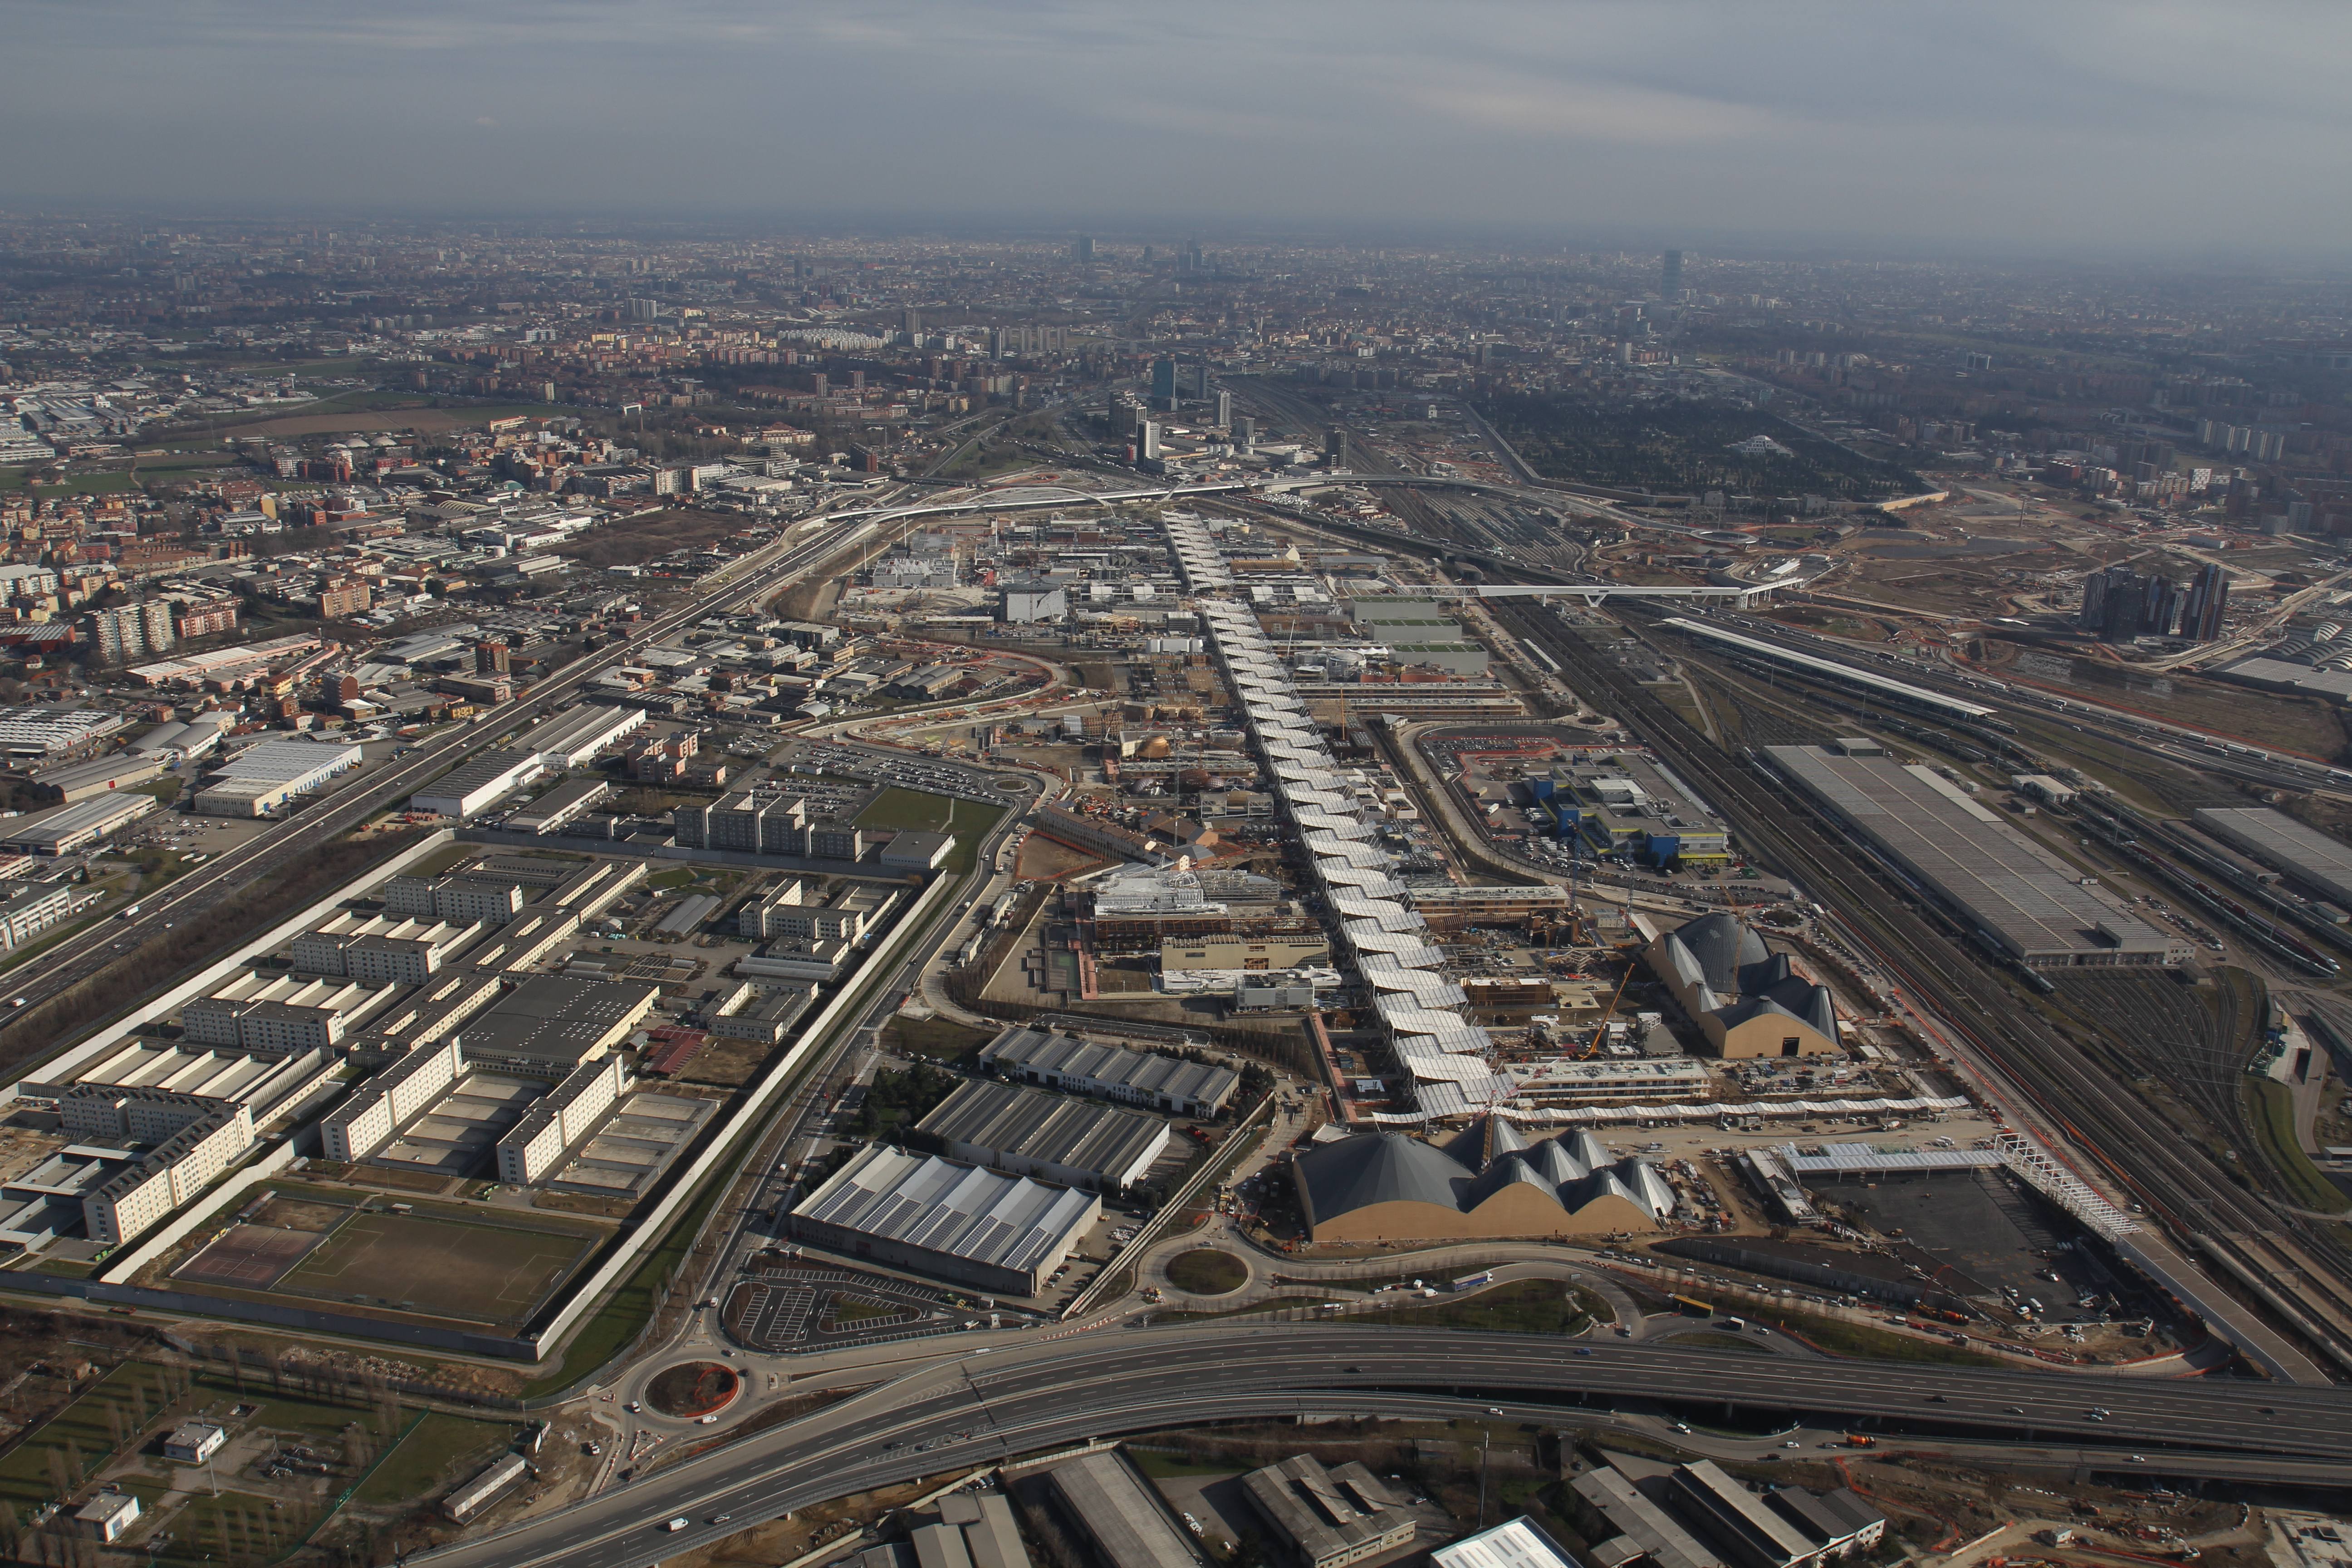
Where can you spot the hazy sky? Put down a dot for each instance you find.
(2057, 125)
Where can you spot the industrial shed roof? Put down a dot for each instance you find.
(1050, 1129)
(944, 1207)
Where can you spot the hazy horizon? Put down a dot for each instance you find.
(2158, 132)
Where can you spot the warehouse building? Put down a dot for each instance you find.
(577, 733)
(1698, 1516)
(2029, 904)
(78, 826)
(975, 1530)
(476, 785)
(2317, 861)
(555, 810)
(80, 781)
(1747, 999)
(260, 779)
(1636, 1527)
(1168, 1084)
(1331, 1518)
(36, 729)
(909, 850)
(1119, 1514)
(1071, 1142)
(28, 908)
(957, 1222)
(1486, 1183)
(1520, 1543)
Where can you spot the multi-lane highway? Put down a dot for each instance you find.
(983, 1408)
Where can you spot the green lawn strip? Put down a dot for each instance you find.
(439, 1448)
(1521, 1307)
(207, 1529)
(617, 1321)
(320, 1420)
(1276, 1304)
(1835, 1336)
(81, 1426)
(2270, 1107)
(77, 485)
(1717, 1341)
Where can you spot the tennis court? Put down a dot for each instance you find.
(249, 1257)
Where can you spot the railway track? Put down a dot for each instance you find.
(2069, 1084)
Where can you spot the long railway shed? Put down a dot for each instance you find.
(2031, 906)
(1830, 669)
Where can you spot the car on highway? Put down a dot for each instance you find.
(675, 1525)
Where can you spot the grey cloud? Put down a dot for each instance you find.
(1993, 124)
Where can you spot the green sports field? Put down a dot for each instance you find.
(446, 1268)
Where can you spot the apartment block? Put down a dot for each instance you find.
(379, 950)
(552, 1126)
(366, 1122)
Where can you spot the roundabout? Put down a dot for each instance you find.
(692, 1389)
(1207, 1271)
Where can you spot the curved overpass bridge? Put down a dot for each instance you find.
(991, 1406)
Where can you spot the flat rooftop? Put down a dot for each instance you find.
(2030, 901)
(2318, 859)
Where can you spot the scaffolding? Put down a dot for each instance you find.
(2039, 1170)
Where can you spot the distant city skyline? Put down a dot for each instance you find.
(2156, 129)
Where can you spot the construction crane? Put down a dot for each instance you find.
(1600, 1029)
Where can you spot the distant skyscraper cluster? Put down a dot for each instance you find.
(2120, 604)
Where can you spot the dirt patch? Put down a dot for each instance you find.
(426, 421)
(636, 539)
(1045, 859)
(726, 1063)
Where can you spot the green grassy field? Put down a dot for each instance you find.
(75, 484)
(486, 1273)
(2269, 1106)
(914, 811)
(1205, 1271)
(440, 1449)
(1522, 1307)
(83, 1427)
